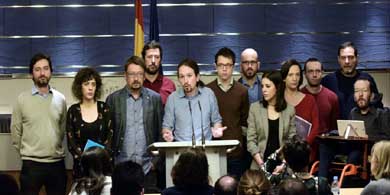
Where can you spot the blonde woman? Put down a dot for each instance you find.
(380, 169)
(253, 182)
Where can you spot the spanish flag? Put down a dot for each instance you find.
(138, 29)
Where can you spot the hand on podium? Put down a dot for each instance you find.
(218, 131)
(167, 135)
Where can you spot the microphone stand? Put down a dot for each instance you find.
(201, 126)
(192, 123)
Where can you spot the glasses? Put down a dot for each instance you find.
(134, 74)
(253, 63)
(224, 65)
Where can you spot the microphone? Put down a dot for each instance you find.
(192, 123)
(201, 126)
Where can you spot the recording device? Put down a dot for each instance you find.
(201, 126)
(192, 123)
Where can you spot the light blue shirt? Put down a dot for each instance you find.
(183, 113)
(254, 92)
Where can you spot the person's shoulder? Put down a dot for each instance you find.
(240, 87)
(151, 93)
(309, 98)
(167, 80)
(212, 84)
(74, 107)
(207, 90)
(381, 186)
(58, 94)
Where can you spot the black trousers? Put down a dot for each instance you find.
(34, 175)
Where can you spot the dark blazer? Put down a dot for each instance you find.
(257, 133)
(152, 116)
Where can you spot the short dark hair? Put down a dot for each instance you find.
(95, 165)
(276, 78)
(191, 169)
(365, 78)
(134, 60)
(127, 178)
(296, 152)
(286, 65)
(311, 60)
(345, 45)
(36, 58)
(253, 182)
(152, 45)
(225, 52)
(193, 65)
(223, 187)
(84, 75)
(292, 186)
(8, 185)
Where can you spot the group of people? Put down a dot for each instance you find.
(263, 114)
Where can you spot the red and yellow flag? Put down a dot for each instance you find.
(138, 29)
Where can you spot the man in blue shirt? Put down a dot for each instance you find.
(341, 82)
(192, 109)
(250, 65)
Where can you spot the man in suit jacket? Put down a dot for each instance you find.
(137, 116)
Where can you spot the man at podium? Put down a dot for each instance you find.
(191, 112)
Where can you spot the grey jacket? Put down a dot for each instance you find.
(152, 116)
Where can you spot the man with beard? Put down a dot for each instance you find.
(152, 54)
(376, 120)
(191, 110)
(233, 105)
(326, 100)
(137, 115)
(250, 65)
(38, 130)
(341, 82)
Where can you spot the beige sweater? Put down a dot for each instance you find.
(38, 126)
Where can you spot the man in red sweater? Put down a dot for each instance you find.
(233, 103)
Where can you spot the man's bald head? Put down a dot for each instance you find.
(250, 63)
(226, 185)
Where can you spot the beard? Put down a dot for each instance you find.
(188, 88)
(135, 85)
(249, 73)
(42, 81)
(362, 104)
(152, 69)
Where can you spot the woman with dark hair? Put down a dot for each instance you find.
(190, 174)
(96, 179)
(270, 122)
(306, 109)
(89, 119)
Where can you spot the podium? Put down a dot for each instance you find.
(215, 150)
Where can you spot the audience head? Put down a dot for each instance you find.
(191, 169)
(189, 76)
(292, 186)
(152, 54)
(347, 58)
(127, 178)
(253, 182)
(87, 84)
(41, 69)
(95, 165)
(135, 72)
(250, 63)
(273, 90)
(226, 185)
(292, 74)
(313, 72)
(8, 185)
(296, 152)
(380, 160)
(224, 62)
(362, 92)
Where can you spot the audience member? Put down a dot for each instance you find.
(38, 130)
(89, 119)
(233, 106)
(270, 122)
(8, 185)
(250, 65)
(137, 113)
(192, 109)
(190, 174)
(127, 179)
(253, 182)
(292, 186)
(380, 169)
(96, 171)
(306, 110)
(341, 82)
(152, 53)
(326, 100)
(226, 185)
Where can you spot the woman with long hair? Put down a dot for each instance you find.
(89, 119)
(96, 170)
(253, 182)
(270, 122)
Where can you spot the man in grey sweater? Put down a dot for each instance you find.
(38, 128)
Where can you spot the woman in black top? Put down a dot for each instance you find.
(89, 119)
